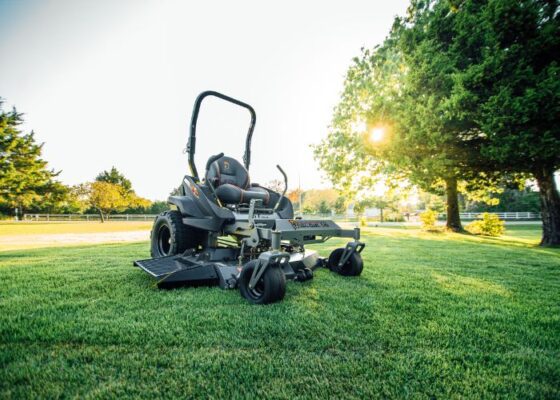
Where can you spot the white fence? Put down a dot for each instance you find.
(88, 217)
(506, 216)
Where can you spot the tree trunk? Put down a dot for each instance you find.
(453, 217)
(380, 215)
(101, 215)
(550, 207)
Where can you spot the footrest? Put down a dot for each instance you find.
(159, 267)
(178, 268)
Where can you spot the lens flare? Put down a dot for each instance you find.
(377, 134)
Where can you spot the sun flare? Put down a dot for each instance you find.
(377, 134)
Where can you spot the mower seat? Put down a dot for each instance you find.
(232, 184)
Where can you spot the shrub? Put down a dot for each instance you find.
(394, 217)
(363, 221)
(429, 218)
(489, 225)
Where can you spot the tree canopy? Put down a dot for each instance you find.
(25, 179)
(507, 91)
(445, 103)
(106, 198)
(115, 177)
(124, 199)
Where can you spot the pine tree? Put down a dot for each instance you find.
(24, 176)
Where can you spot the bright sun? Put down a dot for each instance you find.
(377, 134)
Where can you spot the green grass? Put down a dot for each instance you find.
(433, 315)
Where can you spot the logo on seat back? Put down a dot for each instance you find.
(226, 164)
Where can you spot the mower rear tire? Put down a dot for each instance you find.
(352, 267)
(270, 288)
(170, 236)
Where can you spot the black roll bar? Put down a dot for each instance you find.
(191, 144)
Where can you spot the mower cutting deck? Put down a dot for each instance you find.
(203, 268)
(227, 231)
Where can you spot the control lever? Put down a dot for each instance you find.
(285, 187)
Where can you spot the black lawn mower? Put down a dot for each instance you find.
(225, 230)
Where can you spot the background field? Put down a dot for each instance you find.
(47, 228)
(433, 315)
(29, 235)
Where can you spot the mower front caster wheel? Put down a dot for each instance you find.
(352, 267)
(270, 288)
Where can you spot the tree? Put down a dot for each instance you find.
(507, 89)
(295, 196)
(319, 200)
(429, 201)
(115, 177)
(78, 198)
(136, 204)
(158, 207)
(55, 197)
(24, 177)
(412, 87)
(511, 199)
(107, 197)
(359, 207)
(390, 121)
(340, 205)
(132, 202)
(323, 207)
(382, 203)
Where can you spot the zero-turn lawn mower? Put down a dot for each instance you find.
(224, 229)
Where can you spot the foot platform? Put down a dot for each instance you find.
(177, 269)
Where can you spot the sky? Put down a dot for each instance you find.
(112, 83)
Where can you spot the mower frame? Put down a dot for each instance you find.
(191, 144)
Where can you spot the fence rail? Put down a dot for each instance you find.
(506, 216)
(88, 217)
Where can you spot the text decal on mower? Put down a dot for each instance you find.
(299, 224)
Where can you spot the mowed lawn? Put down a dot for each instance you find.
(432, 316)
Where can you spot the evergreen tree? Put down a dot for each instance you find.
(24, 176)
(507, 90)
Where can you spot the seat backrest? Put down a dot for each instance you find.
(228, 170)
